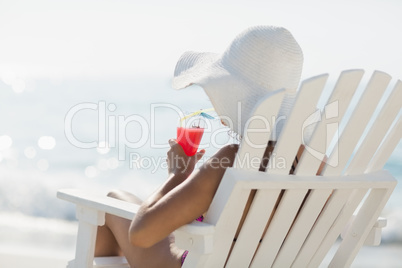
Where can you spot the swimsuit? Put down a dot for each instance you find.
(183, 257)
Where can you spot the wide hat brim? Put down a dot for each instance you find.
(258, 62)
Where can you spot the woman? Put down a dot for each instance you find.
(259, 61)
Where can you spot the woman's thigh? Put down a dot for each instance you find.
(162, 254)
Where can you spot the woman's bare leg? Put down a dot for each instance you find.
(106, 244)
(112, 240)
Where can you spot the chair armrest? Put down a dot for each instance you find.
(197, 228)
(99, 202)
(374, 236)
(197, 236)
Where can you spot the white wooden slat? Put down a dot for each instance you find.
(338, 226)
(202, 244)
(197, 228)
(85, 246)
(258, 131)
(387, 147)
(278, 228)
(357, 123)
(305, 220)
(361, 226)
(228, 184)
(335, 108)
(260, 180)
(321, 227)
(110, 262)
(377, 132)
(291, 137)
(195, 260)
(88, 221)
(225, 213)
(253, 228)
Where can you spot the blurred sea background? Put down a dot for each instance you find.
(98, 74)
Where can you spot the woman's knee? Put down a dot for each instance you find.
(117, 194)
(125, 196)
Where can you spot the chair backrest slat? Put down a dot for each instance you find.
(357, 123)
(294, 237)
(386, 148)
(278, 227)
(219, 212)
(363, 223)
(339, 100)
(293, 221)
(377, 132)
(305, 220)
(225, 213)
(254, 140)
(321, 227)
(340, 222)
(252, 230)
(290, 140)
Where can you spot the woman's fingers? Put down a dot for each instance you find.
(199, 154)
(172, 142)
(173, 146)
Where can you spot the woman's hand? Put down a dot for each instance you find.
(180, 199)
(178, 162)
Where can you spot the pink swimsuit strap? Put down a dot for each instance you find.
(183, 257)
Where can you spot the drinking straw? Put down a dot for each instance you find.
(201, 112)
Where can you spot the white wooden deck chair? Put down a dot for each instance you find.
(294, 220)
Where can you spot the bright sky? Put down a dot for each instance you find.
(119, 38)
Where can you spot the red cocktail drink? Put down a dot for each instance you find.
(189, 139)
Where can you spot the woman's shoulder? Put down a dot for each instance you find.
(223, 158)
(229, 149)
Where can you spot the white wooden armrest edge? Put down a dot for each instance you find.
(381, 222)
(374, 236)
(106, 262)
(99, 202)
(196, 236)
(115, 262)
(197, 228)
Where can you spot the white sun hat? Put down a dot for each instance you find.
(259, 60)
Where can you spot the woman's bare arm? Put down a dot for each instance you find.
(180, 200)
